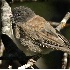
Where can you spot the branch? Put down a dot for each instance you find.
(5, 24)
(58, 23)
(6, 19)
(63, 22)
(29, 64)
(64, 61)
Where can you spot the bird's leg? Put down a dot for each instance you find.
(63, 22)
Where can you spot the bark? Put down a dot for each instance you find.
(5, 23)
(58, 23)
(63, 22)
(6, 19)
(0, 31)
